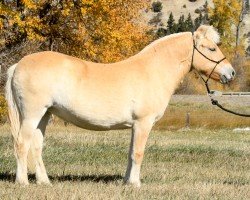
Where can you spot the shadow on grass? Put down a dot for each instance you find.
(7, 176)
(94, 178)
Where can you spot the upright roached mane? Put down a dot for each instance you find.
(133, 93)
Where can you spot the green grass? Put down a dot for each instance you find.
(184, 164)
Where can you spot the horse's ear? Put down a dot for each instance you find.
(200, 33)
(197, 36)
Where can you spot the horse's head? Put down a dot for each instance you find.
(207, 55)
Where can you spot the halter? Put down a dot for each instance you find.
(214, 102)
(214, 61)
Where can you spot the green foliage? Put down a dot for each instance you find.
(189, 26)
(198, 21)
(161, 32)
(205, 10)
(181, 24)
(157, 6)
(171, 26)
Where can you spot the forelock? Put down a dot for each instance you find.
(212, 34)
(209, 32)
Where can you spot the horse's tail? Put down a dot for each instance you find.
(13, 111)
(14, 114)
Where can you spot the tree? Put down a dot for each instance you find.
(161, 32)
(103, 31)
(224, 16)
(181, 24)
(205, 19)
(198, 21)
(189, 26)
(171, 26)
(243, 12)
(156, 20)
(157, 6)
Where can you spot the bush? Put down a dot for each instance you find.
(161, 32)
(197, 11)
(156, 20)
(157, 6)
(3, 109)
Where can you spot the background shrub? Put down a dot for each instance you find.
(157, 6)
(3, 109)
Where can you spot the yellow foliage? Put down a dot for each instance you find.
(29, 4)
(225, 17)
(102, 31)
(3, 109)
(116, 33)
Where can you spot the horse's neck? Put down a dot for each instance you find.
(172, 55)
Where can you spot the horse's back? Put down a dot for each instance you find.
(66, 83)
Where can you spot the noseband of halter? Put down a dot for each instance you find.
(214, 61)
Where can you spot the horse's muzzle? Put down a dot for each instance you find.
(226, 78)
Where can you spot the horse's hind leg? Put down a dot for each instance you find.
(22, 144)
(36, 150)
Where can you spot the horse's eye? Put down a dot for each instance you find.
(212, 49)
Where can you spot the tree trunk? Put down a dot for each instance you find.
(238, 27)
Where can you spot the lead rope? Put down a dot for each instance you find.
(213, 101)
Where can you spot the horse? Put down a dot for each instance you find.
(130, 94)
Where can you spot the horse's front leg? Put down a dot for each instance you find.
(139, 138)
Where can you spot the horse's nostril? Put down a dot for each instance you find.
(233, 73)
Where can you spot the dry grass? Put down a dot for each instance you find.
(184, 164)
(203, 114)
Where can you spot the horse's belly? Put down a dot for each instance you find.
(92, 121)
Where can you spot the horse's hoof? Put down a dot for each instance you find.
(22, 182)
(136, 184)
(47, 182)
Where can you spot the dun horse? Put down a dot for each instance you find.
(133, 93)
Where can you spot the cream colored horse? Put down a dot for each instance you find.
(133, 93)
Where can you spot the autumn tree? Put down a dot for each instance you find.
(225, 17)
(102, 31)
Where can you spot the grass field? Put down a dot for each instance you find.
(203, 114)
(183, 164)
